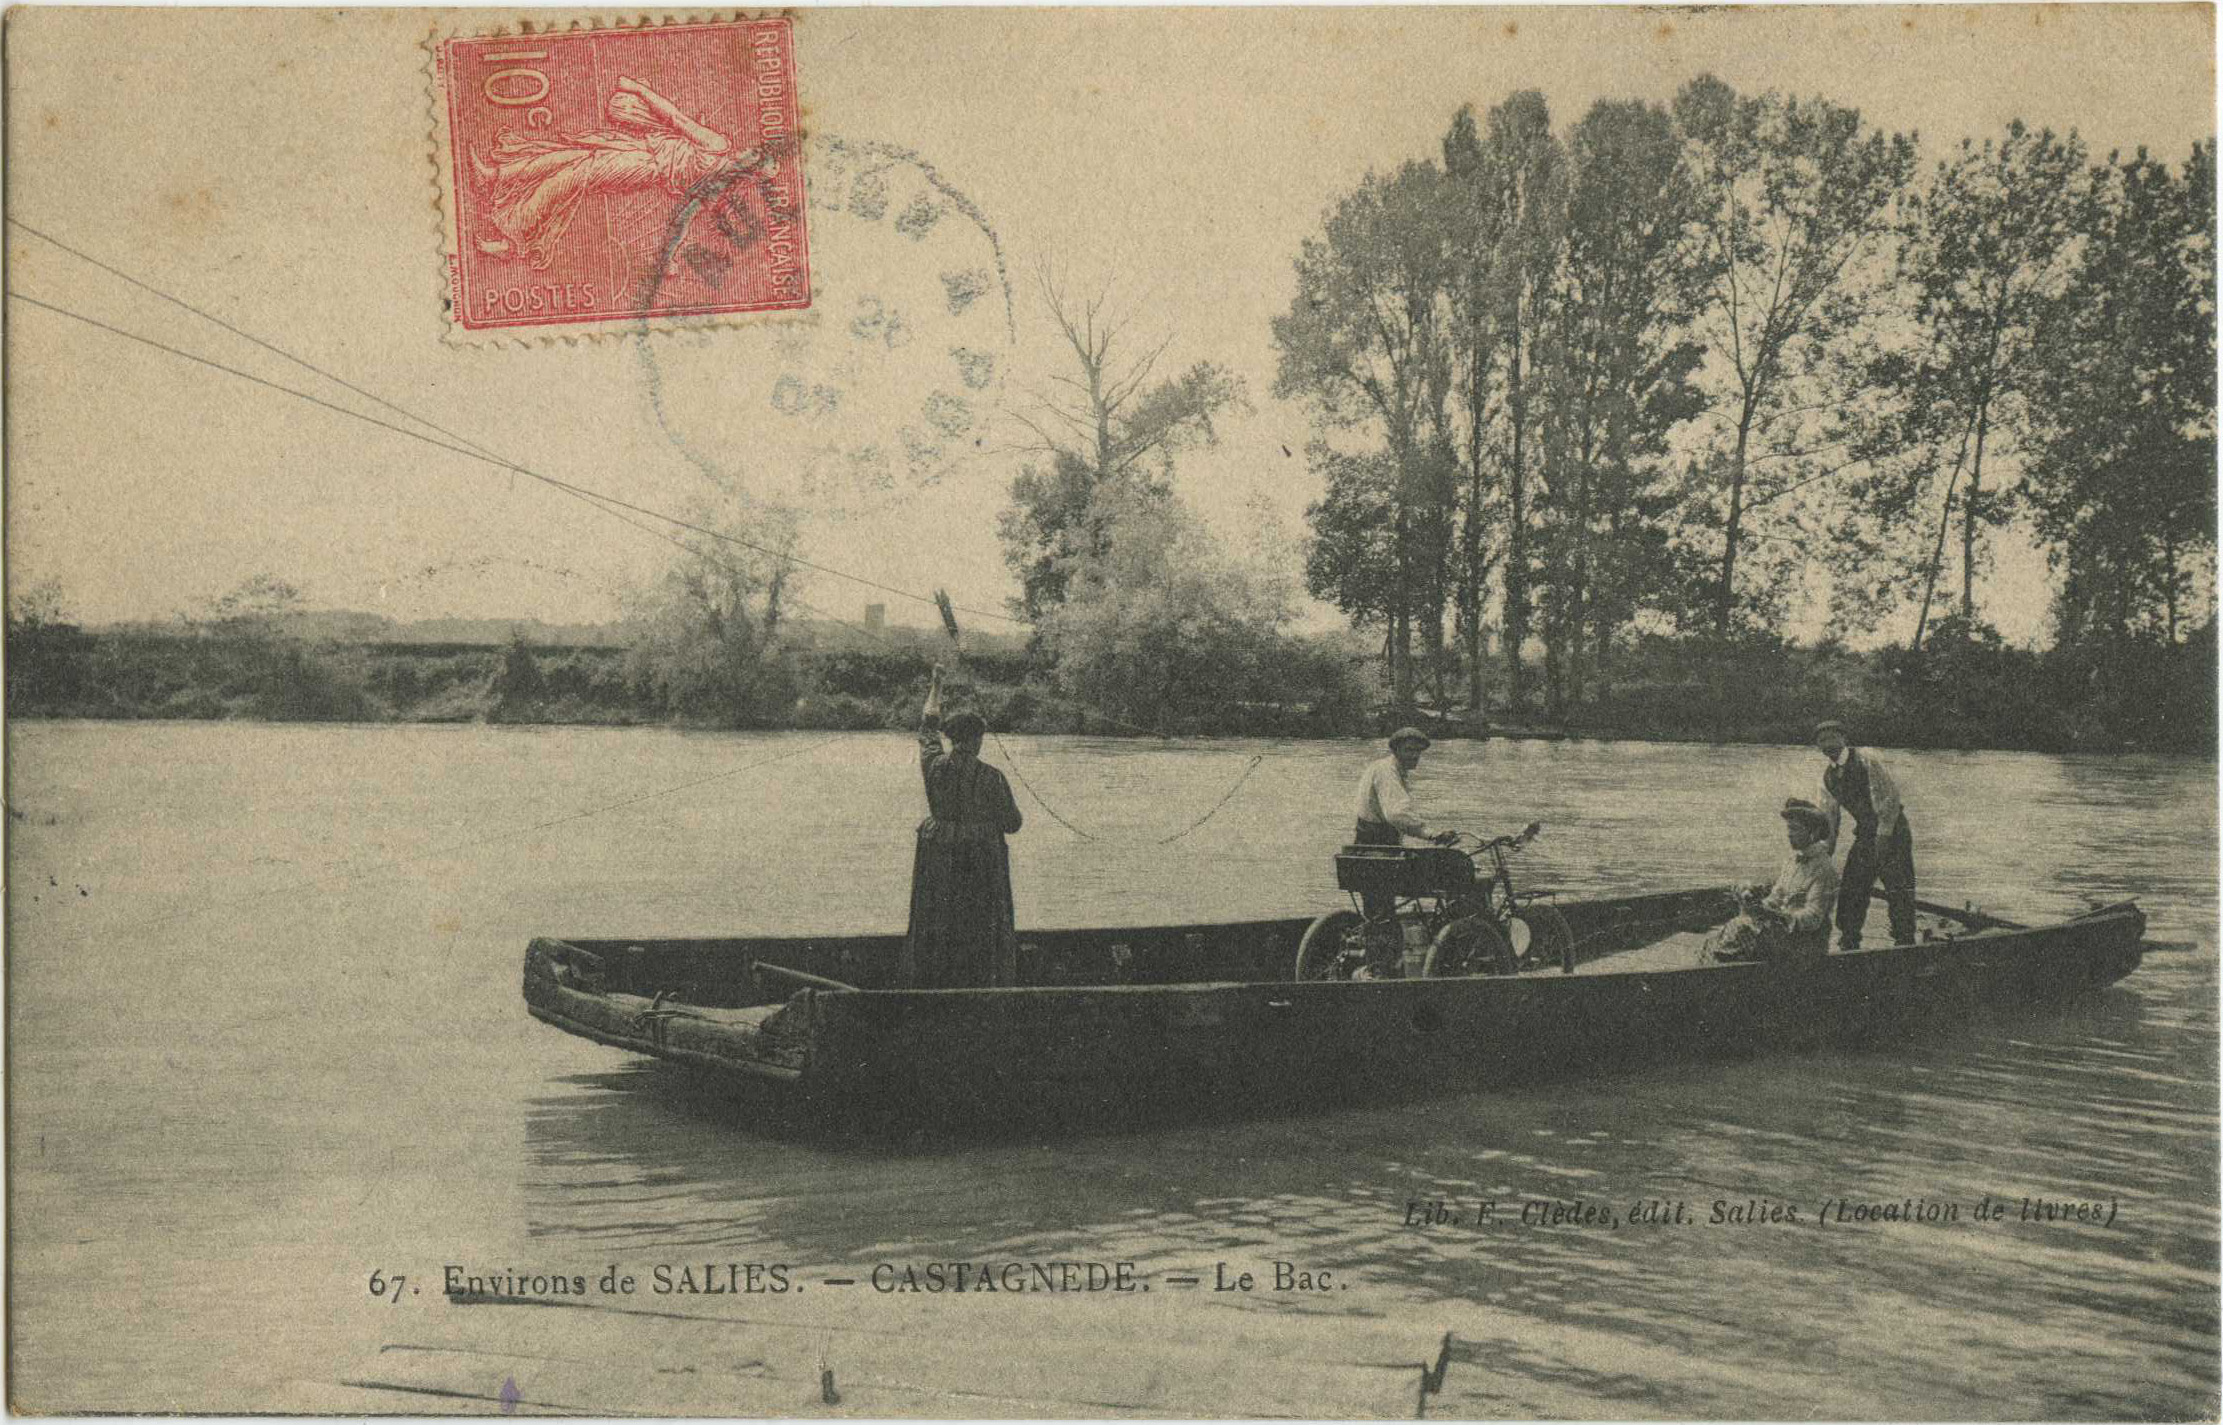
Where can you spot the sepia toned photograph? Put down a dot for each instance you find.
(1342, 713)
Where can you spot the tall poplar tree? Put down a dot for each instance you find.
(1985, 256)
(1798, 195)
(1364, 343)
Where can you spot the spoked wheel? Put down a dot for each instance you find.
(1471, 946)
(1551, 941)
(1320, 954)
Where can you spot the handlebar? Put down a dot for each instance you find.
(1474, 845)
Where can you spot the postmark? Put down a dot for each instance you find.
(891, 392)
(599, 179)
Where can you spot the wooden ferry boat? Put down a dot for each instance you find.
(1109, 1025)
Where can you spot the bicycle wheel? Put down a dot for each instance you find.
(1470, 946)
(1320, 952)
(1551, 941)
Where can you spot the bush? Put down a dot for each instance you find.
(836, 712)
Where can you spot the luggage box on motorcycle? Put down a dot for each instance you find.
(1403, 871)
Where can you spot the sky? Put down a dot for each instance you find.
(273, 169)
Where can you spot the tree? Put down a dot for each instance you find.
(520, 683)
(261, 606)
(1616, 371)
(1525, 177)
(1162, 627)
(1364, 342)
(1796, 195)
(45, 669)
(1476, 221)
(1107, 426)
(41, 605)
(2122, 468)
(1985, 253)
(708, 633)
(1352, 561)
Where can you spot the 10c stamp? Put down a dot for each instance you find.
(609, 177)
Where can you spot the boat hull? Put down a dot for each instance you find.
(1088, 1055)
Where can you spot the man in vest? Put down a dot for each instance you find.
(1855, 783)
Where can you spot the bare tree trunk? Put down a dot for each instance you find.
(1937, 551)
(1555, 669)
(2169, 580)
(1516, 536)
(1601, 637)
(1472, 575)
(1576, 616)
(1969, 515)
(1728, 597)
(1401, 650)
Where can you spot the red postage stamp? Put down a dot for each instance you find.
(605, 178)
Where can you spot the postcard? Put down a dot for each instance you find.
(1353, 712)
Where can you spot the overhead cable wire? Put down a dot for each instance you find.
(453, 442)
(458, 444)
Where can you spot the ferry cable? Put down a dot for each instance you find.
(599, 500)
(459, 444)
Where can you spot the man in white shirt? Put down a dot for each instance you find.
(1856, 783)
(1386, 816)
(1385, 800)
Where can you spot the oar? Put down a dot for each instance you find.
(949, 626)
(1974, 919)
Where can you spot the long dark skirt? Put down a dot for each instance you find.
(962, 933)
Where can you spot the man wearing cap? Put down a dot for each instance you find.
(1385, 800)
(1856, 782)
(1791, 917)
(1385, 818)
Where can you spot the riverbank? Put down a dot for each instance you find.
(1967, 695)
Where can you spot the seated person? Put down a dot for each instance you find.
(1790, 918)
(1386, 816)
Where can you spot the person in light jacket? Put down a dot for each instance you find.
(1385, 817)
(1791, 917)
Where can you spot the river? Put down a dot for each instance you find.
(265, 1037)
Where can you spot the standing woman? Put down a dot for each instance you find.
(962, 933)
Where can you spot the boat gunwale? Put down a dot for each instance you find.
(1989, 934)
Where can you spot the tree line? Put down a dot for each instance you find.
(1598, 398)
(1643, 372)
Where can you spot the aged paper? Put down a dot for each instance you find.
(485, 478)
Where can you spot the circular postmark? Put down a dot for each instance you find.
(886, 387)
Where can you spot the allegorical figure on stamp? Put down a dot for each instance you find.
(535, 183)
(962, 931)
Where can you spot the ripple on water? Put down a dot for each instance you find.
(378, 884)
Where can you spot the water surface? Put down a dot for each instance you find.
(265, 1036)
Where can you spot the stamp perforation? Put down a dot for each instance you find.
(516, 169)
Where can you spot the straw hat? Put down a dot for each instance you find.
(1799, 809)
